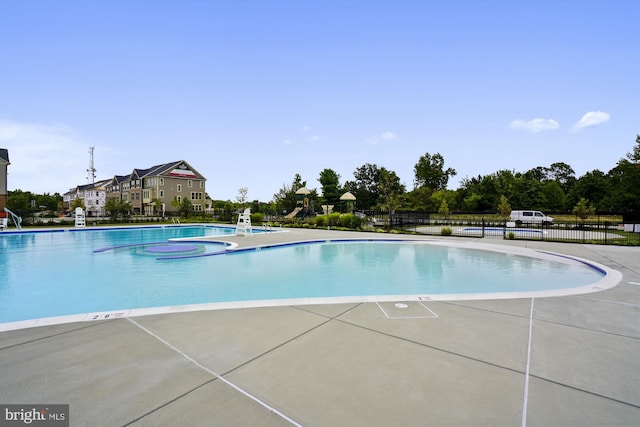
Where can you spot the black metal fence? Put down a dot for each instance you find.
(600, 230)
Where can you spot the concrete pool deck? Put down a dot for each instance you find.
(571, 360)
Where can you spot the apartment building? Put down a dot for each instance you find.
(151, 191)
(93, 196)
(4, 162)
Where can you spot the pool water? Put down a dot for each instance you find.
(64, 273)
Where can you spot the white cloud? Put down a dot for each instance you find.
(388, 136)
(377, 139)
(535, 125)
(592, 118)
(287, 142)
(44, 158)
(315, 138)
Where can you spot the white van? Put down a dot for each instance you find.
(530, 217)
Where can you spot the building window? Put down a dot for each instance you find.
(161, 181)
(201, 184)
(179, 188)
(179, 198)
(189, 183)
(161, 193)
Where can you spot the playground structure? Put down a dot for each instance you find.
(347, 202)
(304, 204)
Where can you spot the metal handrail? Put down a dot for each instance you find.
(16, 219)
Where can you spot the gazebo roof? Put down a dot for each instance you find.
(347, 196)
(303, 190)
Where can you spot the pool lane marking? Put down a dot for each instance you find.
(221, 378)
(526, 374)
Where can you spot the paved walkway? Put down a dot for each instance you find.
(565, 361)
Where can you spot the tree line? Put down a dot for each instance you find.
(554, 188)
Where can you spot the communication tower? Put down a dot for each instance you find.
(91, 172)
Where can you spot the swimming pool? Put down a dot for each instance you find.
(88, 272)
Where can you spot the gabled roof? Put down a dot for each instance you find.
(179, 169)
(85, 187)
(117, 179)
(102, 183)
(4, 155)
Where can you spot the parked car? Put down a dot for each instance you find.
(530, 217)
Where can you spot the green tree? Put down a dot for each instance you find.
(583, 209)
(443, 210)
(19, 202)
(242, 196)
(623, 187)
(185, 208)
(420, 199)
(504, 208)
(111, 206)
(117, 208)
(366, 185)
(554, 196)
(440, 196)
(430, 172)
(593, 186)
(330, 186)
(390, 191)
(157, 206)
(472, 202)
(634, 156)
(563, 174)
(285, 199)
(77, 203)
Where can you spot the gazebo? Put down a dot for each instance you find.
(349, 200)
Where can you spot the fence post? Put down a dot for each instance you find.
(483, 227)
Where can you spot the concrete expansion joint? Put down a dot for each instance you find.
(215, 375)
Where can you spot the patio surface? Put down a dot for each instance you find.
(565, 361)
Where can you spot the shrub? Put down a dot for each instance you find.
(334, 219)
(446, 231)
(512, 235)
(350, 221)
(321, 221)
(257, 218)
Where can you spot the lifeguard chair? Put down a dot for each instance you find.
(243, 227)
(80, 218)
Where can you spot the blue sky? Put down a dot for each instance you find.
(252, 92)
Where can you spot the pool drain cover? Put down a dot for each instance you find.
(401, 305)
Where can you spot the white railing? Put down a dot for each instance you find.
(16, 220)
